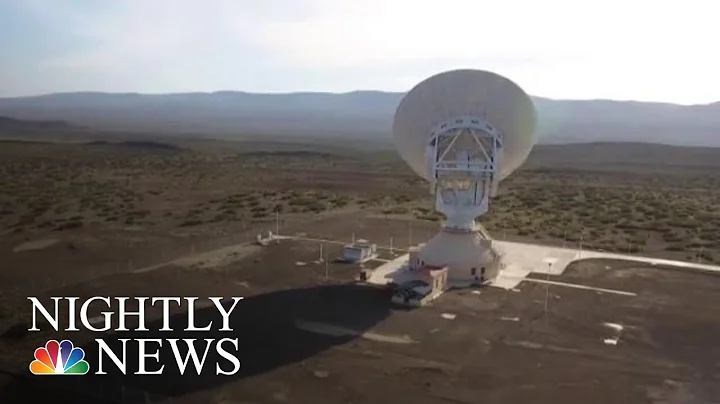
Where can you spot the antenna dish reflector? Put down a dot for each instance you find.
(484, 100)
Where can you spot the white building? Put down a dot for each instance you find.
(359, 251)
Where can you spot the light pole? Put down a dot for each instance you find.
(700, 254)
(550, 262)
(326, 266)
(410, 234)
(277, 222)
(547, 286)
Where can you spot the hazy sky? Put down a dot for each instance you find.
(658, 50)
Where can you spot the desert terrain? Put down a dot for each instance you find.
(140, 216)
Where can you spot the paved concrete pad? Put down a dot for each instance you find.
(520, 259)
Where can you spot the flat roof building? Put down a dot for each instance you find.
(359, 251)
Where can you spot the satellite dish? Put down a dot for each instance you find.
(464, 131)
(455, 94)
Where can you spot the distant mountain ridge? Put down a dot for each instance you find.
(356, 114)
(22, 125)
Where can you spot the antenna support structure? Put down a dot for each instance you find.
(463, 156)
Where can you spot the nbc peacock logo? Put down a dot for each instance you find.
(59, 359)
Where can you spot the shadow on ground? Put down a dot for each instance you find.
(265, 326)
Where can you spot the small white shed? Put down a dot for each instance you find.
(359, 251)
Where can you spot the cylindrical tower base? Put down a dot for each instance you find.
(469, 256)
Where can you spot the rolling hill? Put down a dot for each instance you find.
(356, 114)
(8, 124)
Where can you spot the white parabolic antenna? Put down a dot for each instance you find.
(464, 131)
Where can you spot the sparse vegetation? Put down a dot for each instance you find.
(68, 187)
